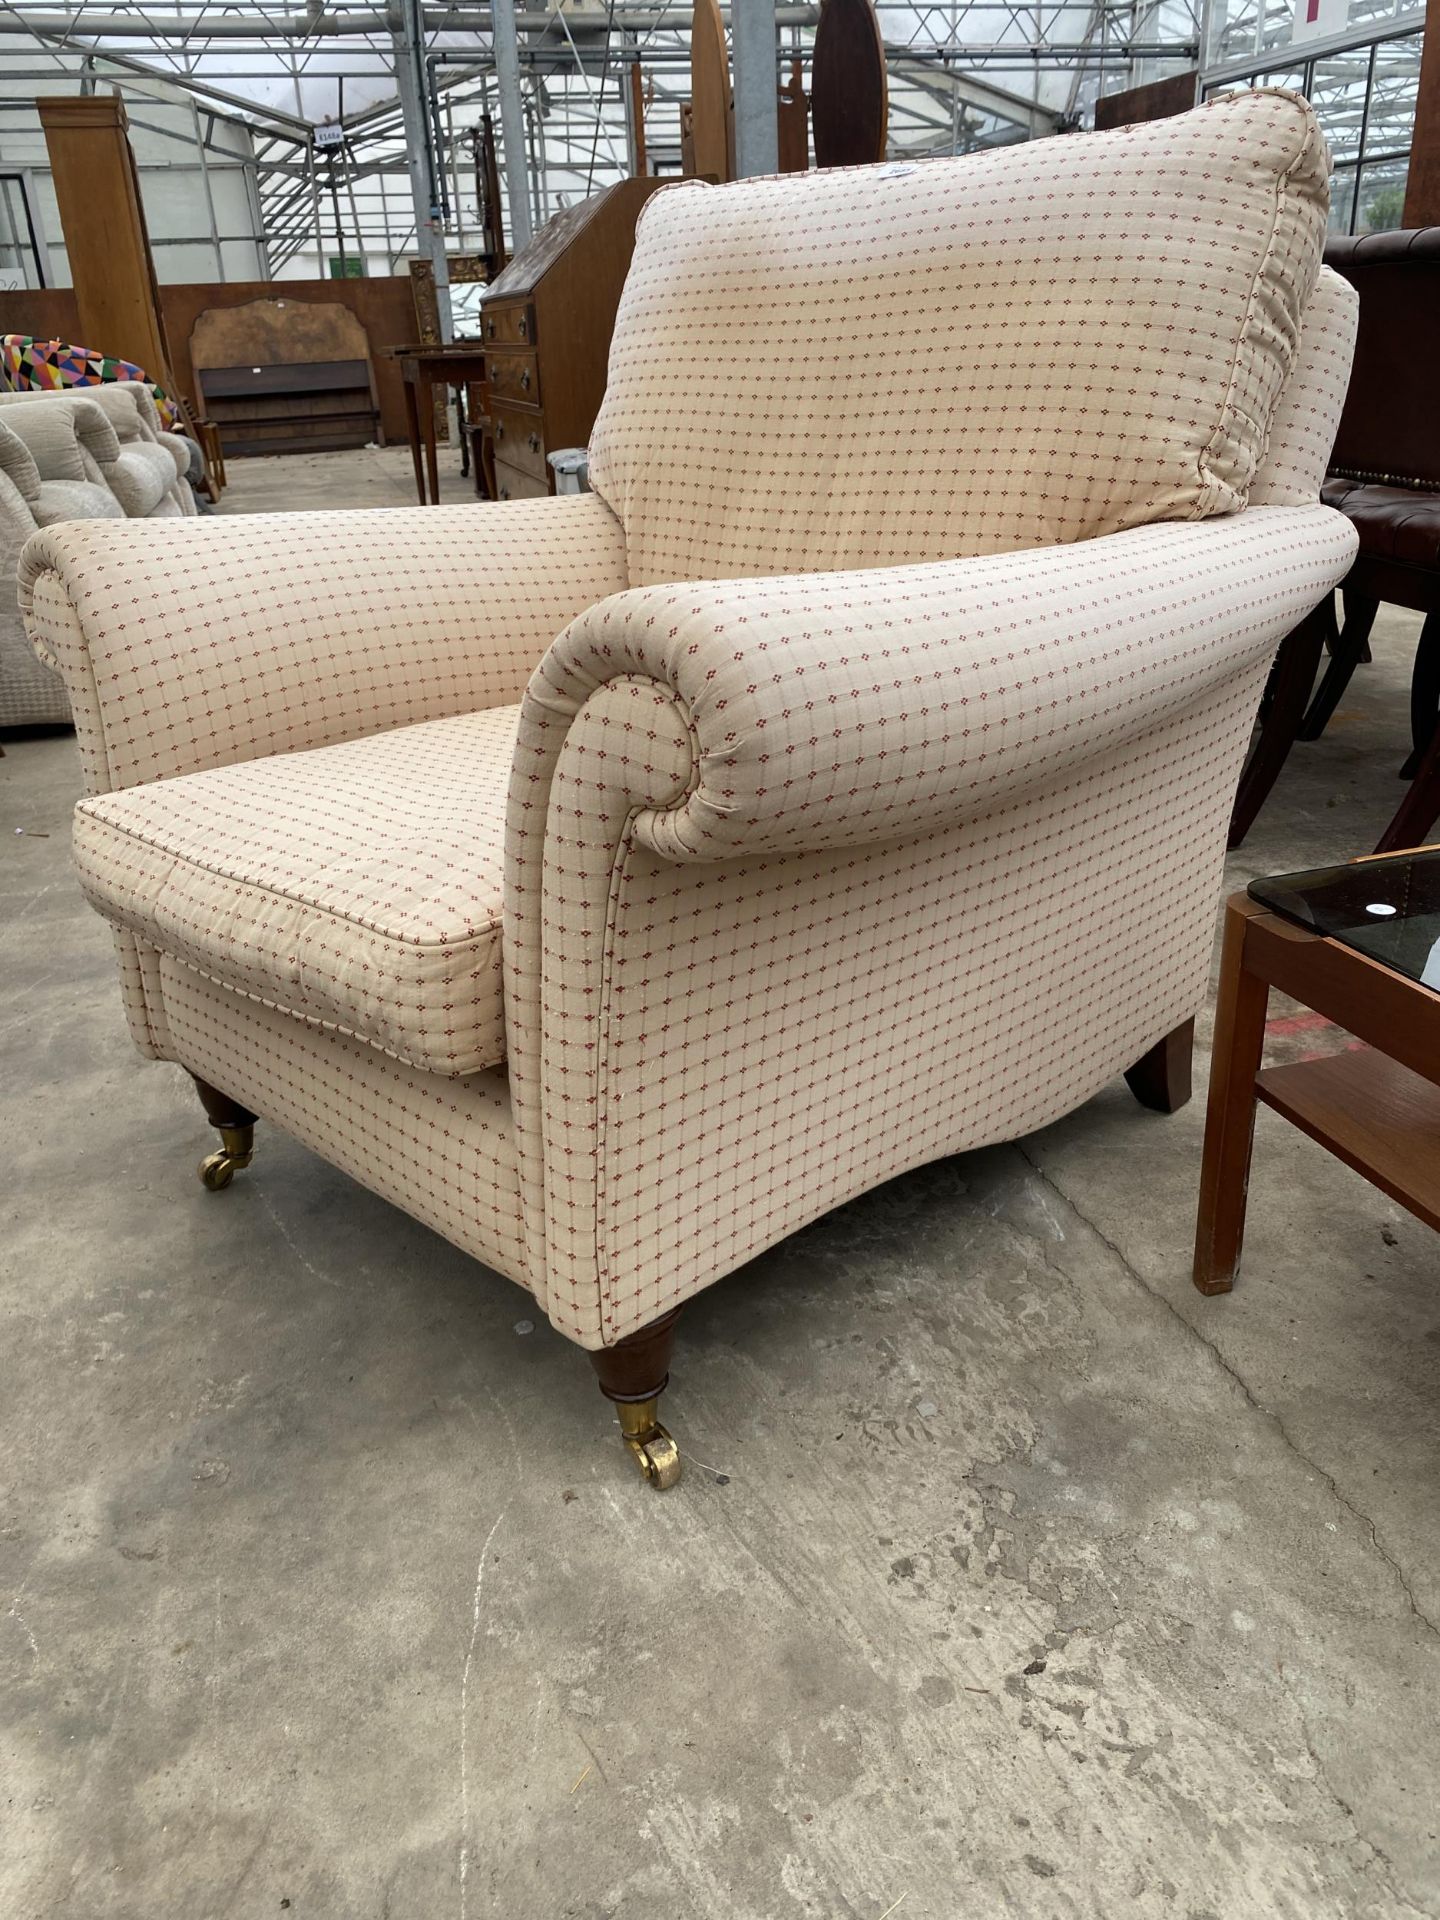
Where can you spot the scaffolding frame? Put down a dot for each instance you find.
(400, 90)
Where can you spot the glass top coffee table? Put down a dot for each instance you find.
(1359, 944)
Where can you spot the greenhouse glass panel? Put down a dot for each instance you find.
(1380, 202)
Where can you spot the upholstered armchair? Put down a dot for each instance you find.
(150, 475)
(48, 473)
(143, 466)
(619, 882)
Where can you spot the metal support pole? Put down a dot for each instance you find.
(257, 211)
(422, 161)
(505, 40)
(315, 221)
(534, 147)
(755, 55)
(209, 191)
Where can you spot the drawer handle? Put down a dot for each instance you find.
(492, 329)
(534, 443)
(525, 381)
(499, 430)
(524, 325)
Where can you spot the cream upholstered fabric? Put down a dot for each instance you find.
(356, 887)
(812, 872)
(862, 870)
(826, 709)
(201, 645)
(442, 1149)
(1302, 433)
(919, 361)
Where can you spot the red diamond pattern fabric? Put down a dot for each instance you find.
(943, 358)
(357, 886)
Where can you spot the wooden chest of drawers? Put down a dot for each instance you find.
(546, 322)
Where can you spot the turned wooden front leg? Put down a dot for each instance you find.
(220, 1109)
(1230, 1117)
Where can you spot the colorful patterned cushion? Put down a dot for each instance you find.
(50, 366)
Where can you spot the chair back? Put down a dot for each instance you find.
(1387, 431)
(927, 360)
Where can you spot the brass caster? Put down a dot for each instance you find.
(650, 1446)
(658, 1458)
(218, 1169)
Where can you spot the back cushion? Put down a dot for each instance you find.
(925, 360)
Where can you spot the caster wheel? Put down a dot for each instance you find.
(657, 1457)
(217, 1170)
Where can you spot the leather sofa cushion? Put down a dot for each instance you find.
(1400, 524)
(357, 887)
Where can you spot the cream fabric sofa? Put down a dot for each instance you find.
(48, 473)
(618, 882)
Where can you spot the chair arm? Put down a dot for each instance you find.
(188, 644)
(830, 709)
(178, 448)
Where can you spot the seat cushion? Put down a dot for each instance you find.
(1400, 524)
(357, 887)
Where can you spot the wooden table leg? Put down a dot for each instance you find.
(1418, 811)
(1290, 686)
(427, 422)
(1230, 1117)
(412, 428)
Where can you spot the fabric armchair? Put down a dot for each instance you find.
(618, 882)
(148, 474)
(825, 710)
(45, 459)
(122, 445)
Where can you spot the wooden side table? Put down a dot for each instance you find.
(1376, 1107)
(423, 369)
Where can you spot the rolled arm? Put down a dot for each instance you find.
(830, 709)
(199, 643)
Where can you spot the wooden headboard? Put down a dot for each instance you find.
(285, 376)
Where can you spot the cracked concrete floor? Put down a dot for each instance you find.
(1010, 1577)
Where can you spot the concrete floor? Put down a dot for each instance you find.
(1009, 1576)
(377, 477)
